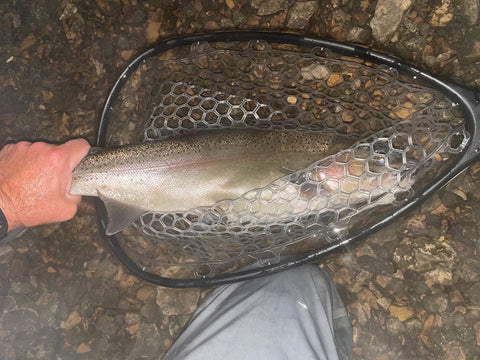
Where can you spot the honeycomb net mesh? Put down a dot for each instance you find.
(396, 136)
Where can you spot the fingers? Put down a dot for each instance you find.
(74, 150)
(9, 148)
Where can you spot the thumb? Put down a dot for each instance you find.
(77, 150)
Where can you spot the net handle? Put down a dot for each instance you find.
(468, 101)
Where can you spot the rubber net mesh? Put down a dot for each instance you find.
(399, 135)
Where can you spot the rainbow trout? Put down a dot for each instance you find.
(194, 171)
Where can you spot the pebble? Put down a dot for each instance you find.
(435, 303)
(268, 7)
(150, 312)
(440, 275)
(177, 301)
(358, 35)
(73, 320)
(387, 17)
(146, 292)
(402, 313)
(83, 348)
(106, 325)
(147, 342)
(473, 293)
(22, 322)
(300, 13)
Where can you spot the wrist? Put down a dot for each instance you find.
(8, 212)
(3, 225)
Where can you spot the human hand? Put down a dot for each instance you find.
(35, 181)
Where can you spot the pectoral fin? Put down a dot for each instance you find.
(119, 214)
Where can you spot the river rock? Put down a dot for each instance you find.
(300, 14)
(268, 7)
(387, 18)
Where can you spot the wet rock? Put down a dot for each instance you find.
(470, 9)
(83, 348)
(7, 350)
(152, 31)
(433, 220)
(359, 35)
(402, 313)
(300, 13)
(239, 18)
(413, 327)
(146, 292)
(415, 282)
(6, 254)
(176, 324)
(416, 44)
(268, 7)
(177, 301)
(454, 328)
(423, 254)
(385, 246)
(99, 349)
(107, 325)
(394, 326)
(435, 303)
(132, 319)
(395, 286)
(147, 344)
(340, 23)
(450, 199)
(466, 234)
(73, 320)
(443, 14)
(387, 18)
(431, 204)
(21, 322)
(124, 42)
(104, 50)
(18, 267)
(150, 312)
(7, 303)
(468, 269)
(107, 297)
(135, 16)
(417, 225)
(377, 265)
(473, 293)
(441, 275)
(41, 350)
(74, 290)
(34, 347)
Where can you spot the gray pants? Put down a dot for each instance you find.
(295, 314)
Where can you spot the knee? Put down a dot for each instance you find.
(307, 271)
(302, 277)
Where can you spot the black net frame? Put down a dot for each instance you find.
(467, 100)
